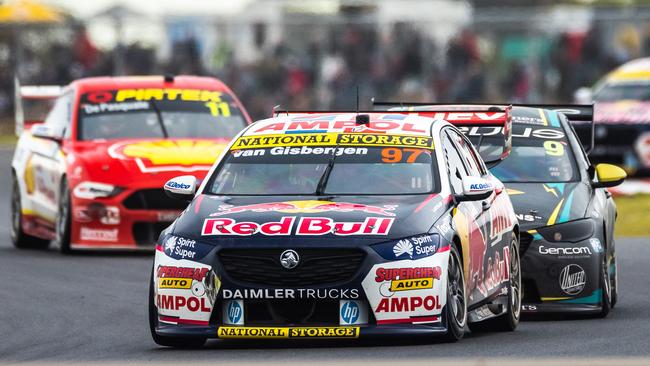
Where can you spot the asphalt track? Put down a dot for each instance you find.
(92, 308)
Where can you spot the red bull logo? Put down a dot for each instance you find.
(307, 207)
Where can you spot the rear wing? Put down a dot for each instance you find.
(32, 102)
(470, 116)
(581, 116)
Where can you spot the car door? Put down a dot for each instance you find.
(47, 162)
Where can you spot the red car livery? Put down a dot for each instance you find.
(90, 175)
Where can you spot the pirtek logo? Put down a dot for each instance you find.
(306, 226)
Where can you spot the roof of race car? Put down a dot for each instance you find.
(137, 82)
(339, 128)
(633, 71)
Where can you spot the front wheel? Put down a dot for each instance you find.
(606, 301)
(63, 221)
(18, 237)
(508, 321)
(456, 308)
(167, 341)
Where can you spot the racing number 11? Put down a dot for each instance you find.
(395, 155)
(218, 108)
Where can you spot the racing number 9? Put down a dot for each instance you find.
(395, 155)
(553, 148)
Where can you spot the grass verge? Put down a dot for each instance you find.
(633, 215)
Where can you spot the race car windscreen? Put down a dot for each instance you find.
(538, 155)
(298, 171)
(626, 91)
(158, 113)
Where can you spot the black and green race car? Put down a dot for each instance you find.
(566, 216)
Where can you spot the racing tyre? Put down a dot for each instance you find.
(508, 321)
(456, 308)
(614, 283)
(63, 220)
(18, 237)
(606, 286)
(177, 342)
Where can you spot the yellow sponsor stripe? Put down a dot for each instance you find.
(412, 284)
(332, 139)
(169, 282)
(554, 298)
(541, 114)
(286, 332)
(553, 217)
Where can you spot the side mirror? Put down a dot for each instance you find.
(181, 188)
(583, 95)
(475, 189)
(608, 176)
(46, 132)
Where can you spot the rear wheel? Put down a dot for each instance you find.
(508, 321)
(63, 222)
(18, 237)
(167, 341)
(456, 308)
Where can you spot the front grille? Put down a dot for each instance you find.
(146, 233)
(152, 199)
(525, 240)
(316, 267)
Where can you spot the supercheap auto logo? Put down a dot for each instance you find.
(310, 206)
(284, 332)
(179, 277)
(405, 279)
(169, 155)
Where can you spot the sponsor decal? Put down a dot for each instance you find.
(596, 245)
(565, 252)
(500, 222)
(291, 293)
(309, 206)
(352, 312)
(169, 155)
(114, 107)
(233, 312)
(99, 234)
(303, 150)
(313, 226)
(167, 216)
(408, 304)
(528, 218)
(111, 216)
(331, 139)
(480, 186)
(160, 94)
(283, 332)
(182, 247)
(182, 303)
(415, 247)
(528, 307)
(346, 122)
(406, 279)
(527, 132)
(182, 283)
(197, 274)
(573, 279)
(177, 185)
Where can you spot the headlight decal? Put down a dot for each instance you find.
(571, 231)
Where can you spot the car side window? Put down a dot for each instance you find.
(469, 158)
(60, 115)
(455, 166)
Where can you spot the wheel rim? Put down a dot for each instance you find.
(15, 211)
(63, 216)
(515, 280)
(456, 289)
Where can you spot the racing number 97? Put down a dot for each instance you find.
(554, 148)
(396, 155)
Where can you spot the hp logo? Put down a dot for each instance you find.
(349, 312)
(235, 313)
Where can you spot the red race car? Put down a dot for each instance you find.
(90, 176)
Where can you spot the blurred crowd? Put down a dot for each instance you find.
(400, 64)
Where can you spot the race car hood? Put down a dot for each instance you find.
(543, 204)
(144, 162)
(308, 218)
(624, 111)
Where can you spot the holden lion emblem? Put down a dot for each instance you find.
(289, 259)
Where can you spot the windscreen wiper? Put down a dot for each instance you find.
(159, 118)
(322, 182)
